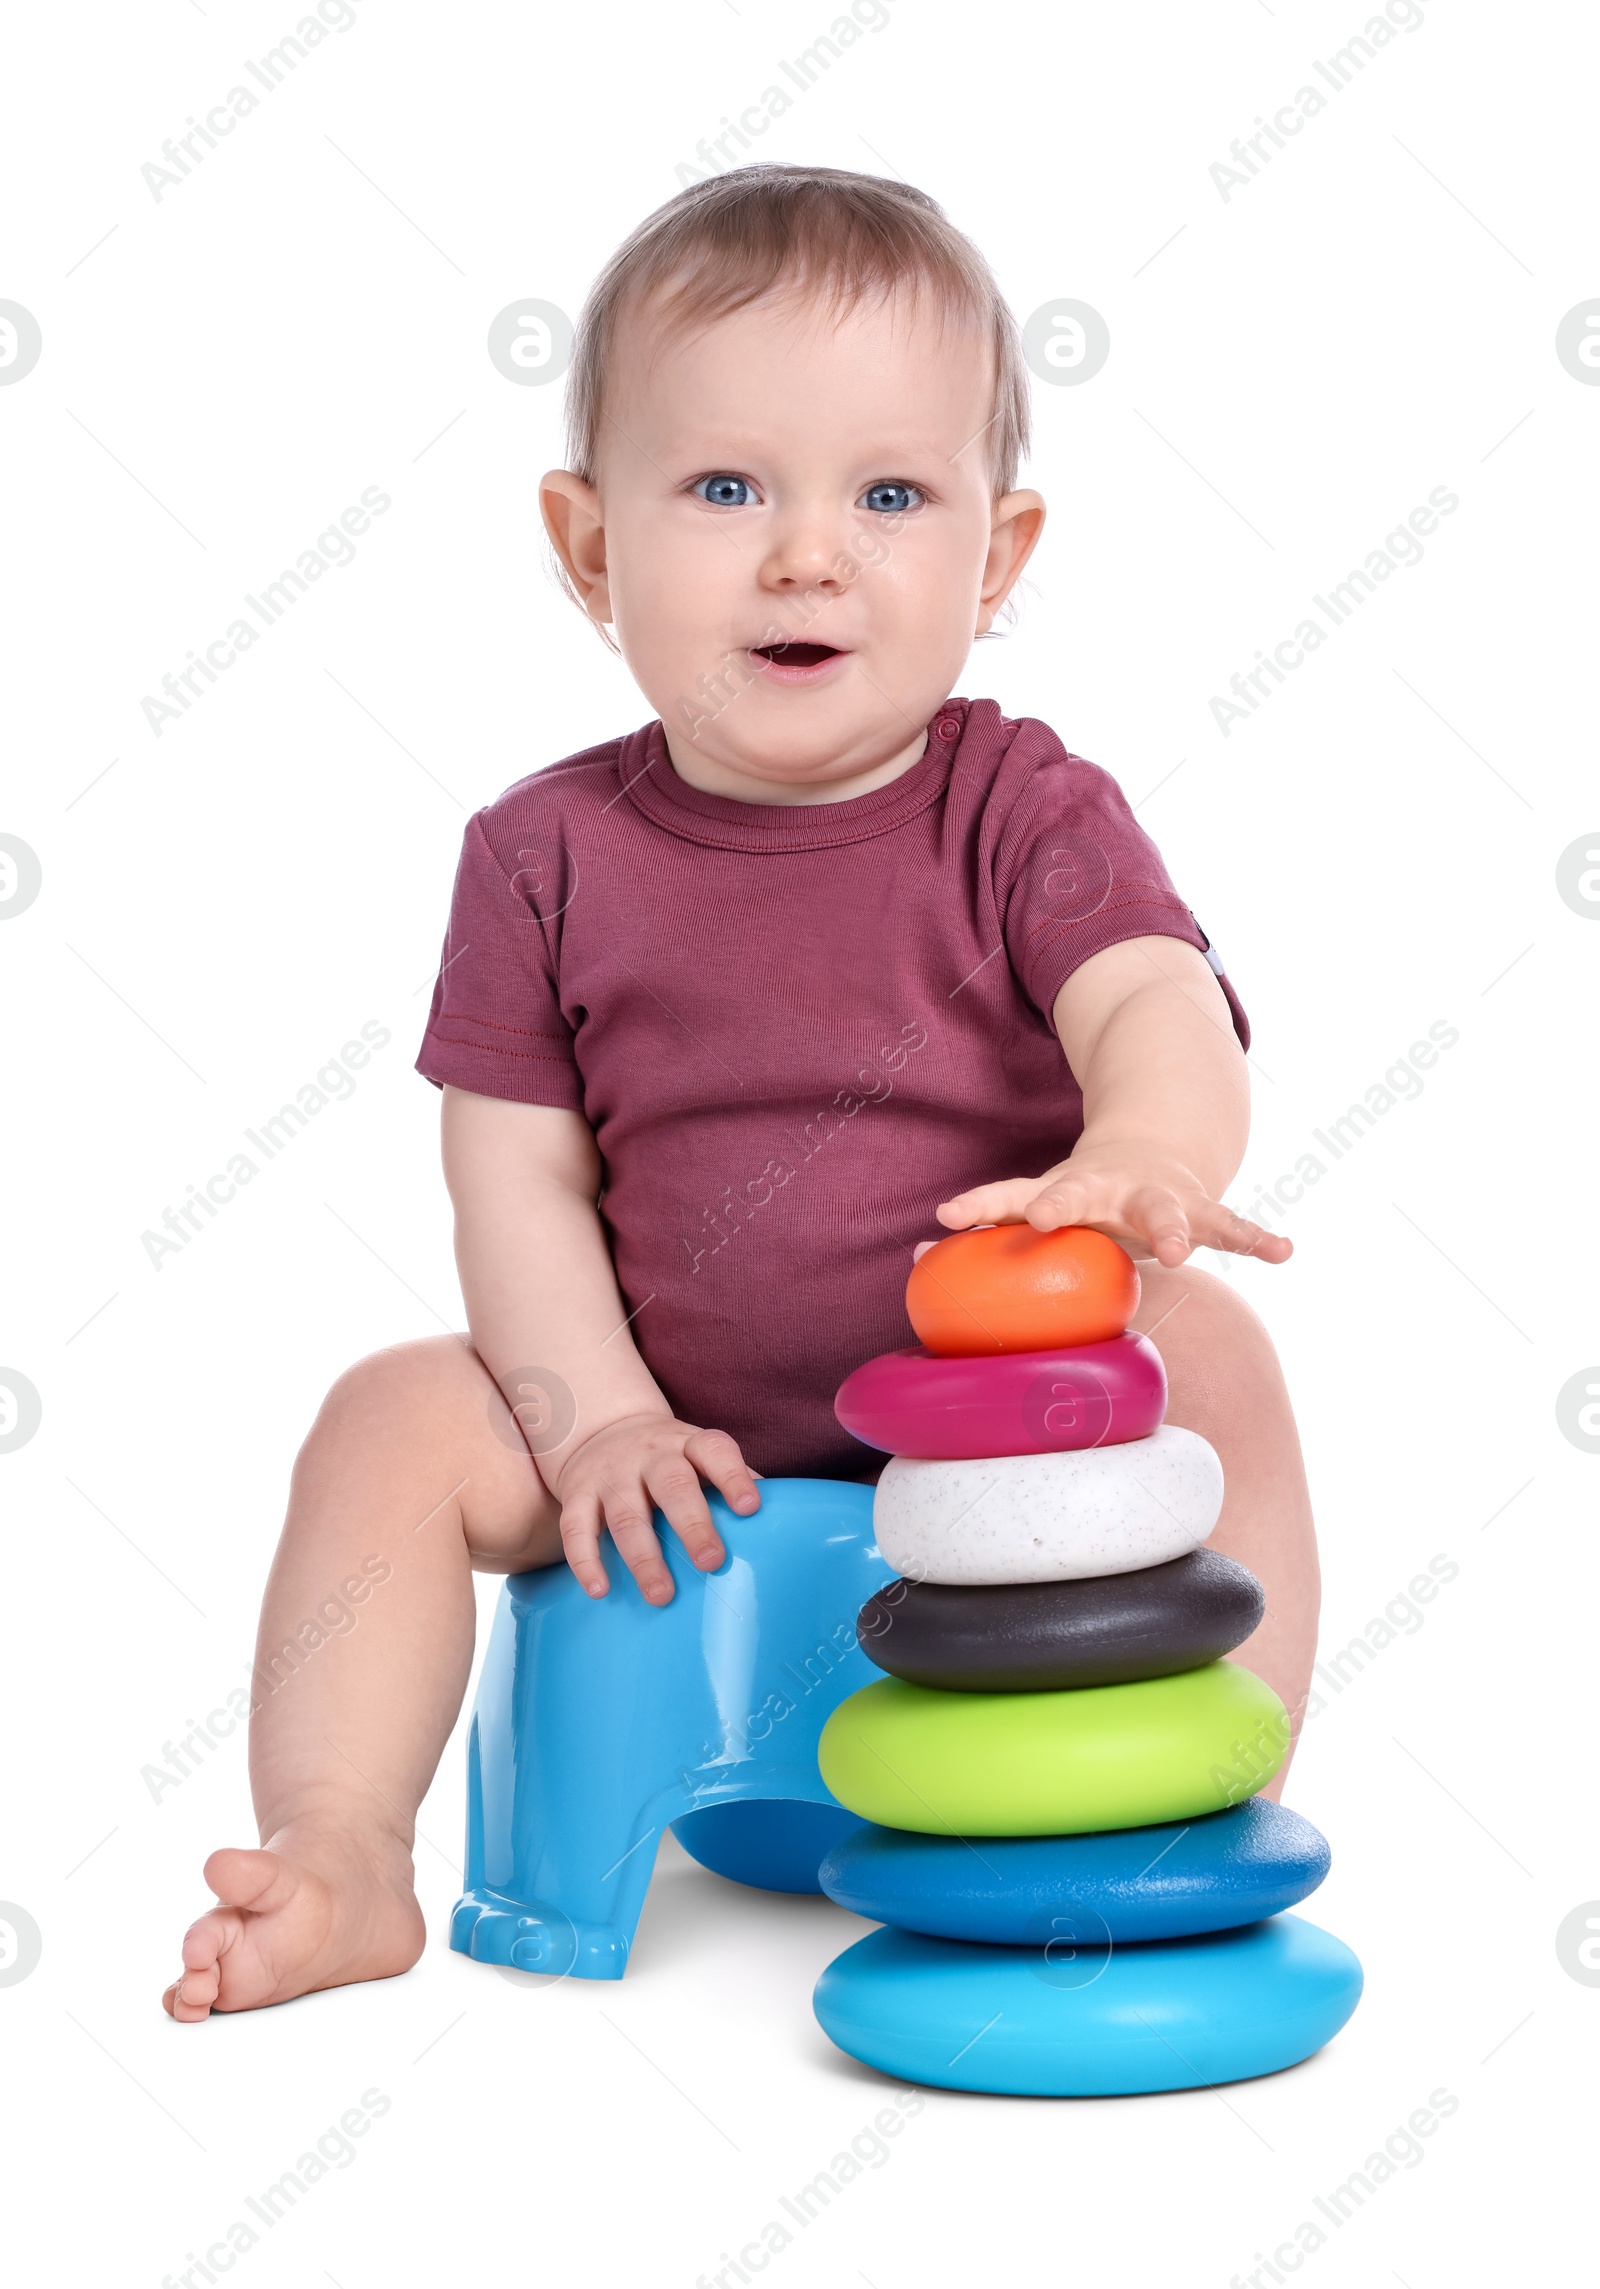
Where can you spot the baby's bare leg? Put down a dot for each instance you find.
(413, 1474)
(1227, 1385)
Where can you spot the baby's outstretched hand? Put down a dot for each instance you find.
(1151, 1205)
(615, 1477)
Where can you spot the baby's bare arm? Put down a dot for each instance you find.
(545, 1311)
(1166, 1103)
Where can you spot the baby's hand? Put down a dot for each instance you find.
(1151, 1205)
(613, 1478)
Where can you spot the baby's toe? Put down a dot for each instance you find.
(190, 1997)
(244, 1877)
(205, 1939)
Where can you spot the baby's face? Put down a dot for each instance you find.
(795, 538)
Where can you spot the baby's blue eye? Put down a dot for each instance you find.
(724, 492)
(890, 498)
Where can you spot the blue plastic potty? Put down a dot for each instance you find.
(599, 1722)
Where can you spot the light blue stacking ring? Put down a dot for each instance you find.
(1174, 2014)
(1163, 1882)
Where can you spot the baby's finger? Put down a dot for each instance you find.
(628, 1514)
(716, 1456)
(1158, 1217)
(580, 1542)
(1006, 1202)
(1068, 1200)
(1217, 1226)
(675, 1484)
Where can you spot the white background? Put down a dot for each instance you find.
(1375, 850)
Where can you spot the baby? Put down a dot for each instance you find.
(735, 1012)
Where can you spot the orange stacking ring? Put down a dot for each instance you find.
(1010, 1288)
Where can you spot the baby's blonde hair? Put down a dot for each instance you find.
(770, 229)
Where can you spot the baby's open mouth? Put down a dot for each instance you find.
(796, 655)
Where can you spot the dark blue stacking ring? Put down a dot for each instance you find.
(1209, 1874)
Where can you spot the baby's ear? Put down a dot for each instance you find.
(570, 507)
(1015, 525)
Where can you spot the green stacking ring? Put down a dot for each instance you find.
(1054, 1764)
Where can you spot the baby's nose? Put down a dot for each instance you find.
(807, 552)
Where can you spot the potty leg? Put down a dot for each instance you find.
(569, 1900)
(601, 1721)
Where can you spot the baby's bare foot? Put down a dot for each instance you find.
(315, 1907)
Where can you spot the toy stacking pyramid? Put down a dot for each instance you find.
(1081, 1891)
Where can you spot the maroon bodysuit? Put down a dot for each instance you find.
(794, 1030)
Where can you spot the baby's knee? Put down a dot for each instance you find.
(1216, 1351)
(402, 1390)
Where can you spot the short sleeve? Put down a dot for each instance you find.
(495, 1025)
(1075, 872)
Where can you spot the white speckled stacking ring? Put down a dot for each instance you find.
(1049, 1517)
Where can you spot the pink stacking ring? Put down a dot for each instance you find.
(1016, 1402)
